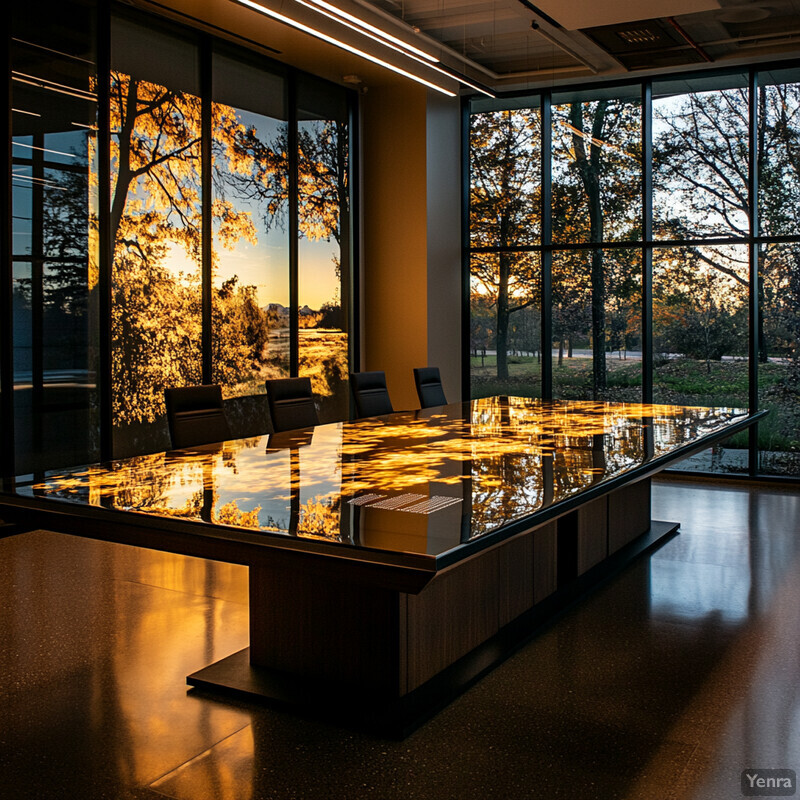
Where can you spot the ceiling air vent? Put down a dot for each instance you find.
(638, 36)
(643, 45)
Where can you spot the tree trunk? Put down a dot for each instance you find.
(503, 276)
(589, 170)
(127, 123)
(502, 339)
(598, 324)
(763, 349)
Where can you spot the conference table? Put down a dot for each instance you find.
(393, 560)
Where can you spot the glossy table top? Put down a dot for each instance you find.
(421, 482)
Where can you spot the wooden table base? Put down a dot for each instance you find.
(384, 660)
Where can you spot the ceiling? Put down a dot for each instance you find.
(515, 41)
(514, 44)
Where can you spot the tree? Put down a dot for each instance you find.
(323, 207)
(262, 171)
(156, 212)
(504, 211)
(156, 222)
(596, 197)
(704, 319)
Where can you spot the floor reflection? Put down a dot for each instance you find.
(665, 683)
(97, 641)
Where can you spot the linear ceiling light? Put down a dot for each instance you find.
(377, 31)
(400, 47)
(45, 150)
(445, 70)
(364, 30)
(293, 23)
(52, 86)
(387, 40)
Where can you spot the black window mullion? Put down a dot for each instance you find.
(466, 258)
(754, 276)
(6, 304)
(647, 238)
(349, 271)
(37, 291)
(206, 87)
(105, 245)
(294, 228)
(546, 251)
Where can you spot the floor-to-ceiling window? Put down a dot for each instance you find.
(596, 200)
(504, 227)
(779, 270)
(323, 220)
(701, 272)
(662, 217)
(155, 226)
(182, 214)
(54, 257)
(250, 267)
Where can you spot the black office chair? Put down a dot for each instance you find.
(291, 404)
(370, 393)
(429, 387)
(196, 416)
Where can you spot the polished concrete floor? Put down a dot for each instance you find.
(666, 682)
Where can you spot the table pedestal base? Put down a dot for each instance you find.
(396, 707)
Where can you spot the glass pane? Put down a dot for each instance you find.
(597, 167)
(54, 230)
(700, 159)
(779, 135)
(505, 178)
(597, 312)
(23, 364)
(156, 225)
(779, 359)
(324, 259)
(700, 339)
(250, 295)
(505, 325)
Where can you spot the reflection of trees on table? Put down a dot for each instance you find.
(505, 458)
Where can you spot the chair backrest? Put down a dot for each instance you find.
(370, 393)
(291, 404)
(429, 387)
(196, 415)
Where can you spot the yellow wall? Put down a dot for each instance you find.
(401, 327)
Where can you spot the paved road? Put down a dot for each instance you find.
(630, 355)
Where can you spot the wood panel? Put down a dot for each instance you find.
(628, 514)
(592, 532)
(515, 580)
(331, 630)
(545, 553)
(453, 614)
(470, 602)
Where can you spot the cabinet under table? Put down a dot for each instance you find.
(367, 651)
